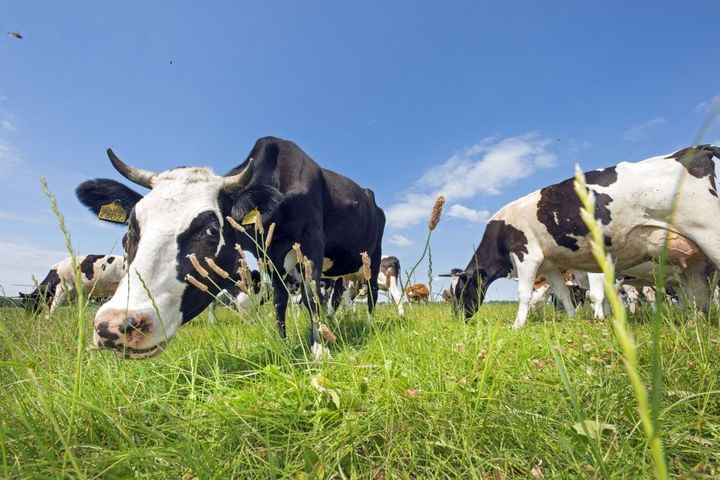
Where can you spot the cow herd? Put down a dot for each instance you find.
(320, 231)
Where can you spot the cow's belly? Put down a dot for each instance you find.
(640, 245)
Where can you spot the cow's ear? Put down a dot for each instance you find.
(263, 198)
(95, 194)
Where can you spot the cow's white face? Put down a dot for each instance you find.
(181, 215)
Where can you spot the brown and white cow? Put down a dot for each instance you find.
(100, 276)
(637, 206)
(417, 293)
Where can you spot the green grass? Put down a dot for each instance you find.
(422, 397)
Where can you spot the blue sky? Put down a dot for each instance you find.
(483, 101)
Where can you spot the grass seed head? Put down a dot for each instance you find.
(215, 268)
(269, 236)
(367, 274)
(327, 334)
(258, 224)
(235, 224)
(198, 268)
(298, 253)
(436, 212)
(308, 270)
(196, 283)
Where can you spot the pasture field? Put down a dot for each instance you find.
(427, 396)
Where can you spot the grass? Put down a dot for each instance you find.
(422, 397)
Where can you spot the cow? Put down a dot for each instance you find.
(388, 281)
(637, 206)
(192, 210)
(241, 300)
(99, 274)
(417, 293)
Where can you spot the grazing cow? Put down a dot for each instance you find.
(387, 281)
(417, 293)
(192, 210)
(637, 206)
(100, 276)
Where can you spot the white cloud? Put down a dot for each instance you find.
(20, 260)
(482, 169)
(642, 131)
(7, 125)
(469, 214)
(400, 240)
(9, 158)
(26, 218)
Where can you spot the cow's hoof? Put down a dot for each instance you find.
(320, 351)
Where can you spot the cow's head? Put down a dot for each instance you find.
(468, 290)
(184, 212)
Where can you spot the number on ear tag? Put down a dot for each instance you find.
(250, 217)
(113, 212)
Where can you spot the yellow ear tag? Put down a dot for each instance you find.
(112, 212)
(250, 217)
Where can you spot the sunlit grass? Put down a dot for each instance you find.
(425, 396)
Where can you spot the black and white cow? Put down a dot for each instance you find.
(186, 211)
(100, 276)
(388, 280)
(542, 232)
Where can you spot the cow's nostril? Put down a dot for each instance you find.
(129, 325)
(103, 330)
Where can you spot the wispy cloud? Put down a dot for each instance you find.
(470, 214)
(482, 169)
(10, 158)
(6, 124)
(20, 260)
(400, 240)
(643, 131)
(27, 218)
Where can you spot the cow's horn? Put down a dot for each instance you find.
(237, 181)
(143, 178)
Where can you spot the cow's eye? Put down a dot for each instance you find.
(211, 231)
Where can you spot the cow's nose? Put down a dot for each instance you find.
(130, 324)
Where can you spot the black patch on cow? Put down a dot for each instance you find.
(698, 162)
(607, 240)
(44, 292)
(559, 210)
(110, 260)
(131, 239)
(390, 262)
(601, 178)
(201, 238)
(102, 191)
(87, 265)
(103, 331)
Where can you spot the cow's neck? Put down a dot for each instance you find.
(491, 258)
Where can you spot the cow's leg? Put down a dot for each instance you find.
(539, 296)
(527, 273)
(697, 290)
(337, 295)
(632, 297)
(396, 294)
(372, 297)
(596, 292)
(280, 301)
(58, 297)
(557, 283)
(314, 253)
